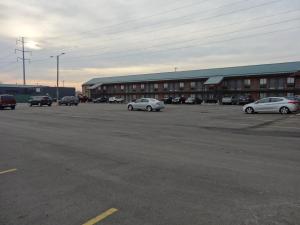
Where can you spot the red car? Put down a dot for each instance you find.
(7, 101)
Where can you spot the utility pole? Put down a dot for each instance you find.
(22, 41)
(175, 69)
(57, 75)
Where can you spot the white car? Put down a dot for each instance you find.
(283, 105)
(115, 100)
(148, 104)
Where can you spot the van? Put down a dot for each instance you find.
(7, 101)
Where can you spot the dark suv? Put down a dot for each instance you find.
(7, 101)
(40, 100)
(69, 100)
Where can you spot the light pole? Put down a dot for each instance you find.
(57, 75)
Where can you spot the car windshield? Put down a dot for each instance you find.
(7, 97)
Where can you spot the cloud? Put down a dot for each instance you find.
(119, 37)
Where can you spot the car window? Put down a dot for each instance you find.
(138, 100)
(37, 98)
(276, 99)
(145, 100)
(264, 100)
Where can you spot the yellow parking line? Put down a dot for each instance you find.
(8, 171)
(102, 216)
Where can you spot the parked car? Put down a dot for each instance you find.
(101, 100)
(192, 100)
(115, 100)
(40, 100)
(69, 100)
(243, 100)
(229, 100)
(148, 104)
(283, 105)
(178, 100)
(7, 101)
(167, 100)
(211, 100)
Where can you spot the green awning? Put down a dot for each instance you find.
(95, 86)
(214, 80)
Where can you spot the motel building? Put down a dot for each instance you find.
(259, 81)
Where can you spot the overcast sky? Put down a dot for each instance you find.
(121, 37)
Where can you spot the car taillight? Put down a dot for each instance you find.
(293, 102)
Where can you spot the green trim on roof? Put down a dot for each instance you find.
(288, 67)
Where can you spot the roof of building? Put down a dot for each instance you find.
(20, 86)
(288, 67)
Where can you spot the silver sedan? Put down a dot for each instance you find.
(148, 104)
(283, 105)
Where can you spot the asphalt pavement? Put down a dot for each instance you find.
(186, 165)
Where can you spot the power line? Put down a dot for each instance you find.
(141, 18)
(204, 44)
(185, 41)
(203, 19)
(215, 27)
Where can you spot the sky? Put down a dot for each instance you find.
(124, 37)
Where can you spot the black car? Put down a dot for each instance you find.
(69, 100)
(167, 100)
(243, 100)
(101, 100)
(40, 100)
(192, 100)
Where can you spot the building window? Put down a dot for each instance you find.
(155, 86)
(104, 88)
(181, 85)
(272, 83)
(281, 83)
(122, 87)
(263, 83)
(115, 86)
(290, 81)
(239, 84)
(134, 86)
(142, 86)
(247, 83)
(262, 95)
(166, 85)
(193, 84)
(156, 96)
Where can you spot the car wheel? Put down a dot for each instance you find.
(130, 108)
(284, 110)
(13, 107)
(149, 108)
(249, 110)
(41, 104)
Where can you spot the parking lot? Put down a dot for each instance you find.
(186, 165)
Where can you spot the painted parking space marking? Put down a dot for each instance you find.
(8, 171)
(100, 217)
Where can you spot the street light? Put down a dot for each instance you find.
(57, 75)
